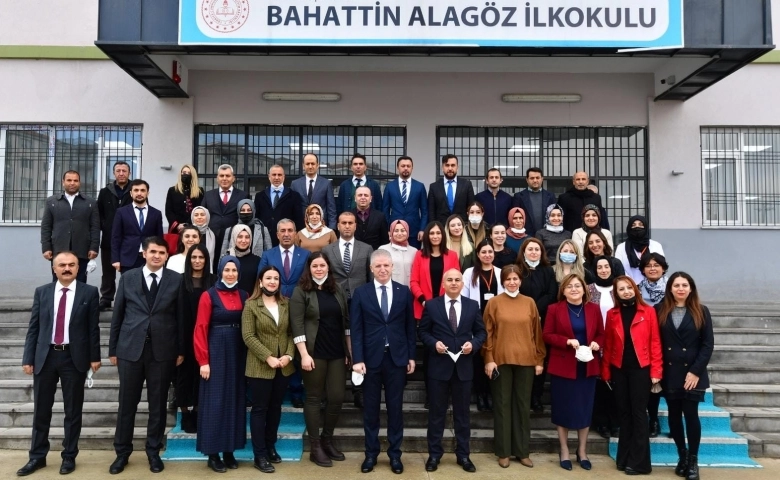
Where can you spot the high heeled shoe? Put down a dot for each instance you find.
(584, 463)
(565, 464)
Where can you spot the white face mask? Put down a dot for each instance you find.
(315, 226)
(518, 230)
(512, 294)
(320, 281)
(229, 285)
(532, 263)
(475, 219)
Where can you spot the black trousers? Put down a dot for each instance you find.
(108, 280)
(267, 398)
(461, 398)
(132, 375)
(632, 389)
(81, 276)
(689, 409)
(58, 367)
(605, 412)
(653, 402)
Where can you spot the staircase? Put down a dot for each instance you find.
(744, 372)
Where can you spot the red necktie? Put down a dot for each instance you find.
(59, 325)
(225, 196)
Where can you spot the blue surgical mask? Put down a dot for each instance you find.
(568, 257)
(532, 263)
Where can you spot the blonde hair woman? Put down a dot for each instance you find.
(182, 198)
(458, 241)
(568, 260)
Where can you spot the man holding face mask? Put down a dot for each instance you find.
(452, 328)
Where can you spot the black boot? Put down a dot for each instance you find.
(693, 467)
(682, 465)
(489, 402)
(481, 407)
(655, 427)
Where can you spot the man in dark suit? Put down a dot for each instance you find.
(350, 259)
(451, 323)
(222, 202)
(111, 197)
(277, 202)
(63, 343)
(132, 224)
(316, 189)
(405, 199)
(495, 201)
(383, 337)
(146, 344)
(346, 199)
(534, 201)
(451, 195)
(371, 225)
(574, 200)
(71, 222)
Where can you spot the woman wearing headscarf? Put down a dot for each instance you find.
(182, 198)
(516, 234)
(267, 333)
(637, 244)
(605, 417)
(401, 252)
(458, 242)
(261, 239)
(315, 234)
(553, 234)
(240, 247)
(320, 324)
(688, 340)
(476, 228)
(189, 236)
(591, 222)
(197, 278)
(200, 219)
(596, 246)
(503, 255)
(220, 352)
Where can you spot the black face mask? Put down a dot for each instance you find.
(627, 302)
(637, 233)
(268, 293)
(246, 217)
(186, 179)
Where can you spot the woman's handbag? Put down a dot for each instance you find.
(172, 239)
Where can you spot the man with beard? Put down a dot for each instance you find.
(495, 201)
(132, 225)
(449, 196)
(534, 201)
(405, 199)
(574, 200)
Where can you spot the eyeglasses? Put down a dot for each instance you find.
(573, 286)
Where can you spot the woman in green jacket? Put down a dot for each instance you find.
(265, 326)
(320, 325)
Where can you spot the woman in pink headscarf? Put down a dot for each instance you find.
(401, 251)
(515, 234)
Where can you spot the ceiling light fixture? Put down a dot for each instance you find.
(541, 98)
(301, 97)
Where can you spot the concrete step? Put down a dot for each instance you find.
(746, 395)
(764, 354)
(21, 391)
(763, 444)
(92, 438)
(754, 419)
(22, 314)
(765, 320)
(18, 330)
(747, 336)
(94, 414)
(14, 347)
(11, 369)
(744, 373)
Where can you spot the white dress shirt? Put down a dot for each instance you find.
(458, 306)
(68, 309)
(389, 289)
(362, 181)
(342, 244)
(291, 248)
(71, 198)
(145, 209)
(222, 193)
(148, 277)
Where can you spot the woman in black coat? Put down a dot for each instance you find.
(687, 340)
(182, 198)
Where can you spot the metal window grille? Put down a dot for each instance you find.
(740, 176)
(614, 157)
(252, 149)
(33, 159)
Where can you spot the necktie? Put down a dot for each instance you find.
(153, 290)
(358, 182)
(224, 197)
(287, 264)
(347, 258)
(276, 198)
(384, 306)
(59, 326)
(404, 193)
(311, 190)
(140, 217)
(450, 196)
(453, 317)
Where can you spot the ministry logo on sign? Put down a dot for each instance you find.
(225, 15)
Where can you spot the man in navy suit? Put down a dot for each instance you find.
(383, 337)
(222, 202)
(451, 324)
(495, 201)
(63, 343)
(450, 195)
(277, 202)
(534, 200)
(291, 262)
(405, 199)
(316, 189)
(132, 225)
(346, 200)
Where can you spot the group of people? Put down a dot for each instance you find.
(297, 289)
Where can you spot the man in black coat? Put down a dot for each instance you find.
(450, 195)
(111, 197)
(371, 223)
(222, 202)
(451, 324)
(63, 343)
(71, 223)
(534, 201)
(277, 202)
(574, 200)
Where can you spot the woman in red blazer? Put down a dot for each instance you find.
(633, 363)
(573, 322)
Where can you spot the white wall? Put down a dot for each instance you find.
(48, 22)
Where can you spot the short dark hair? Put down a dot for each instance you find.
(120, 162)
(403, 157)
(357, 155)
(311, 153)
(533, 169)
(494, 169)
(448, 157)
(71, 172)
(347, 213)
(307, 283)
(137, 182)
(154, 240)
(659, 259)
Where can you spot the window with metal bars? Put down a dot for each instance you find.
(740, 176)
(33, 159)
(252, 149)
(615, 158)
